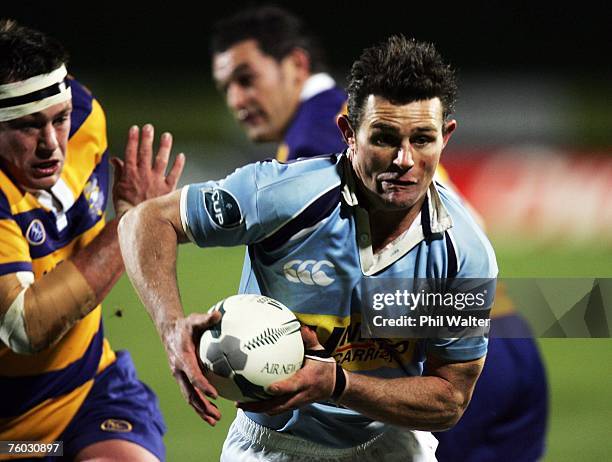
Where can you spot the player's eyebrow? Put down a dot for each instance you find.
(383, 126)
(388, 128)
(38, 118)
(239, 69)
(425, 129)
(64, 112)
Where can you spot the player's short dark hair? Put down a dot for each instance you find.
(401, 70)
(276, 30)
(26, 52)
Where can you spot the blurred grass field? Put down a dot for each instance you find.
(579, 370)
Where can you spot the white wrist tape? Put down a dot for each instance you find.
(40, 312)
(12, 325)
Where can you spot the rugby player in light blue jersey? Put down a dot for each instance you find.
(270, 71)
(315, 230)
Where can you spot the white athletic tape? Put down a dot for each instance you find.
(19, 91)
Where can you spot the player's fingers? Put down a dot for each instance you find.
(309, 336)
(131, 147)
(163, 153)
(145, 151)
(200, 383)
(203, 321)
(176, 171)
(207, 410)
(194, 375)
(284, 387)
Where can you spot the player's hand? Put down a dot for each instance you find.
(180, 339)
(136, 178)
(313, 382)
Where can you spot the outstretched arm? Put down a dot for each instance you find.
(36, 314)
(149, 236)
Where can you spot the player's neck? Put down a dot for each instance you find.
(388, 225)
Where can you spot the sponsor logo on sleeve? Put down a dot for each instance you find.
(116, 426)
(222, 208)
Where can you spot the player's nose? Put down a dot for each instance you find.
(47, 141)
(403, 158)
(236, 97)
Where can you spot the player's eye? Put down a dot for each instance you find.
(245, 80)
(421, 140)
(384, 139)
(61, 120)
(26, 126)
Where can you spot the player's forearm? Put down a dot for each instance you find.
(68, 293)
(420, 403)
(149, 246)
(100, 261)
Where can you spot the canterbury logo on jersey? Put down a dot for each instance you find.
(309, 272)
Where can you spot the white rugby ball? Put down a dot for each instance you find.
(257, 342)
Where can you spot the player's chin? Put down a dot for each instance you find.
(394, 201)
(260, 133)
(43, 182)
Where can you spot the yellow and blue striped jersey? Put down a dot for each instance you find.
(42, 392)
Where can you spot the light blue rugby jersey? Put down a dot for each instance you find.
(309, 247)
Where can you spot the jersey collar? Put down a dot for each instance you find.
(315, 84)
(433, 219)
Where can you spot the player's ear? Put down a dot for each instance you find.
(301, 61)
(449, 128)
(346, 129)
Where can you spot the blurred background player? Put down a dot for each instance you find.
(264, 60)
(59, 377)
(272, 74)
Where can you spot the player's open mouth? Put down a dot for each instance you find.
(47, 168)
(250, 117)
(397, 183)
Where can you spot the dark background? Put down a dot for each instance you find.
(482, 36)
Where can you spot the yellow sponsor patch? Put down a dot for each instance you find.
(341, 337)
(116, 426)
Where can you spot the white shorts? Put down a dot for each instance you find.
(251, 442)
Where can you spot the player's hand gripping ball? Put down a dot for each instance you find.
(257, 342)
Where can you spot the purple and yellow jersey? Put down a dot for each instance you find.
(313, 130)
(42, 392)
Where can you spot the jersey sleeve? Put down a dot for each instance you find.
(14, 249)
(222, 213)
(254, 201)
